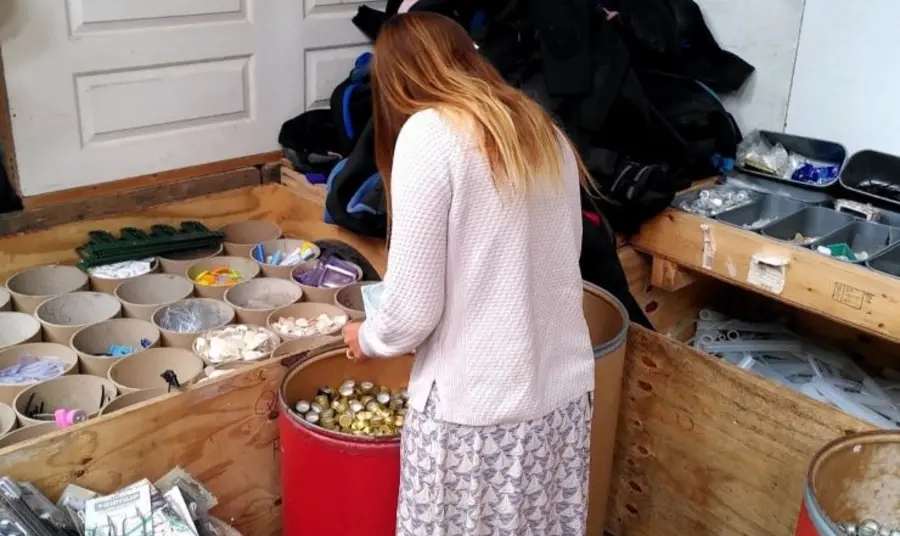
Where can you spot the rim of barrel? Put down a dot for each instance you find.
(299, 360)
(615, 342)
(816, 512)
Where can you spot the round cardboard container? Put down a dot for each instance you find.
(283, 244)
(5, 300)
(29, 432)
(220, 314)
(143, 295)
(102, 284)
(78, 391)
(241, 236)
(10, 356)
(63, 315)
(248, 269)
(133, 398)
(31, 287)
(178, 262)
(350, 299)
(303, 310)
(253, 300)
(8, 419)
(18, 328)
(318, 294)
(92, 341)
(144, 370)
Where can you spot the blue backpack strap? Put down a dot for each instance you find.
(355, 206)
(334, 171)
(358, 76)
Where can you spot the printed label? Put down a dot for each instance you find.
(767, 272)
(852, 297)
(709, 247)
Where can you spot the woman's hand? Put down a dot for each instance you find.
(351, 339)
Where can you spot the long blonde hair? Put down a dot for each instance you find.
(426, 60)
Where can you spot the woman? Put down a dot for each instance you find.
(483, 282)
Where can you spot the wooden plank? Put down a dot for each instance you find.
(154, 179)
(671, 313)
(301, 187)
(224, 432)
(669, 276)
(297, 217)
(840, 291)
(133, 200)
(705, 448)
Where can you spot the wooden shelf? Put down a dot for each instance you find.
(843, 292)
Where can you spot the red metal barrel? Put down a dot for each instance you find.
(332, 483)
(853, 480)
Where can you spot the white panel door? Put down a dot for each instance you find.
(101, 90)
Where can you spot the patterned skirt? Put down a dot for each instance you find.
(521, 479)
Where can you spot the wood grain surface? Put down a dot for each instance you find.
(704, 448)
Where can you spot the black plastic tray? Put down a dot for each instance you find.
(811, 222)
(768, 209)
(782, 188)
(871, 165)
(820, 150)
(887, 262)
(861, 236)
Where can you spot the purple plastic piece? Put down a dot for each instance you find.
(329, 272)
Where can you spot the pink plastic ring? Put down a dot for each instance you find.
(68, 417)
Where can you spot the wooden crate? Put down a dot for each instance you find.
(702, 447)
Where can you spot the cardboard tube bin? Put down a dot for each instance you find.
(144, 370)
(8, 419)
(317, 294)
(608, 338)
(254, 300)
(13, 355)
(285, 245)
(5, 300)
(206, 314)
(177, 262)
(309, 311)
(77, 391)
(350, 299)
(31, 287)
(247, 268)
(143, 295)
(105, 284)
(21, 435)
(219, 346)
(93, 342)
(18, 328)
(241, 236)
(852, 479)
(133, 398)
(63, 315)
(336, 461)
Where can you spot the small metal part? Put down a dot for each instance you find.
(312, 417)
(323, 401)
(383, 398)
(316, 407)
(366, 387)
(325, 391)
(302, 407)
(868, 527)
(356, 406)
(347, 388)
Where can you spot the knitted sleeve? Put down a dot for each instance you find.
(412, 302)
